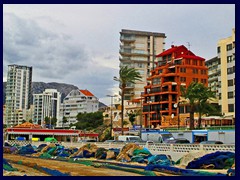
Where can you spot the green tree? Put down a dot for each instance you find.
(89, 121)
(132, 117)
(30, 121)
(64, 120)
(47, 120)
(53, 121)
(23, 121)
(203, 103)
(126, 75)
(197, 96)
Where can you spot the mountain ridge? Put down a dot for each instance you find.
(39, 87)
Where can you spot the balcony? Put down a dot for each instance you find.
(127, 39)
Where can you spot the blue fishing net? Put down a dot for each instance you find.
(216, 160)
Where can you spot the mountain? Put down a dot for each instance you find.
(39, 87)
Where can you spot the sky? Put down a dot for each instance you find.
(78, 44)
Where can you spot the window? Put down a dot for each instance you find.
(229, 59)
(187, 61)
(183, 79)
(195, 79)
(230, 95)
(195, 71)
(218, 49)
(203, 72)
(229, 47)
(203, 81)
(183, 70)
(230, 107)
(200, 63)
(220, 96)
(194, 62)
(229, 70)
(230, 82)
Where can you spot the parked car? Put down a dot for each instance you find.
(88, 140)
(211, 142)
(50, 139)
(113, 141)
(178, 141)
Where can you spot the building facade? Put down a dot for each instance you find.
(45, 105)
(77, 101)
(18, 93)
(138, 50)
(213, 73)
(226, 88)
(176, 67)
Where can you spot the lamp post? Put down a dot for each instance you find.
(111, 111)
(176, 105)
(149, 119)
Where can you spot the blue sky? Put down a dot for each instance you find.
(79, 44)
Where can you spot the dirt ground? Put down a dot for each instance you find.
(64, 167)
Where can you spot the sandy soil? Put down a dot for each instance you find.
(64, 167)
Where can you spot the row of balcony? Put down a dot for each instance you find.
(129, 52)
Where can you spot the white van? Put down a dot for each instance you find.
(129, 138)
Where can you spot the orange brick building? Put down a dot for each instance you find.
(176, 67)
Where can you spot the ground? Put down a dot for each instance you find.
(64, 167)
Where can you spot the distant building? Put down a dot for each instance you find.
(214, 72)
(138, 50)
(226, 88)
(176, 67)
(45, 105)
(18, 94)
(77, 101)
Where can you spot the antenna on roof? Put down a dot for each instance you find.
(188, 43)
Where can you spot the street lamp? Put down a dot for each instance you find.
(176, 105)
(149, 124)
(149, 101)
(111, 111)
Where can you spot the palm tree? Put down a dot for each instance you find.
(126, 75)
(204, 106)
(197, 95)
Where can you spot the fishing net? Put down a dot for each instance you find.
(190, 156)
(101, 153)
(161, 159)
(28, 149)
(216, 160)
(7, 166)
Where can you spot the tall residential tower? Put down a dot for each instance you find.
(18, 93)
(138, 50)
(226, 89)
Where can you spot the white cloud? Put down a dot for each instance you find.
(79, 44)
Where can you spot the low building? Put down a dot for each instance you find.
(77, 101)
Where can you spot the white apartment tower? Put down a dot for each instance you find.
(18, 93)
(45, 105)
(77, 101)
(138, 50)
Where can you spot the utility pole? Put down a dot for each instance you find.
(111, 112)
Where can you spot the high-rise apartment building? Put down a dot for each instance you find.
(138, 50)
(177, 67)
(226, 88)
(77, 101)
(213, 73)
(18, 93)
(45, 105)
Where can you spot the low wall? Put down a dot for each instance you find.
(176, 151)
